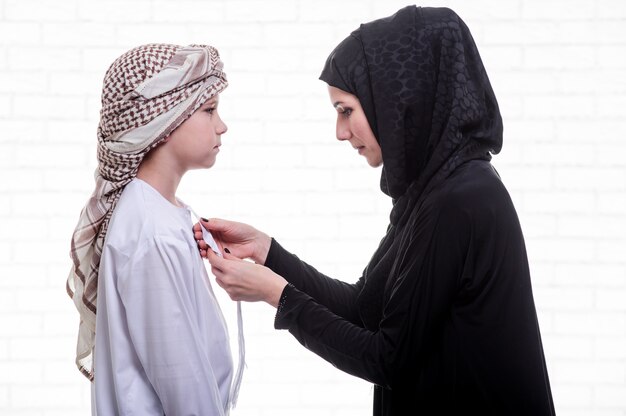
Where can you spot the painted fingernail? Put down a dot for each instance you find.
(226, 250)
(204, 219)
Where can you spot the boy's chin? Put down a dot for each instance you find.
(208, 163)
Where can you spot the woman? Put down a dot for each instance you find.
(442, 320)
(158, 343)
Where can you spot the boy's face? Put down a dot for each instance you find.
(196, 142)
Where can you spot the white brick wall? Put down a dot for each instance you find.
(557, 68)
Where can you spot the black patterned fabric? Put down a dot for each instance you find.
(426, 95)
(442, 320)
(420, 80)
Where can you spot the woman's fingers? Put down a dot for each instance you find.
(197, 235)
(228, 256)
(228, 273)
(215, 224)
(226, 282)
(216, 261)
(243, 280)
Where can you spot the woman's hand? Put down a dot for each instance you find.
(246, 281)
(243, 240)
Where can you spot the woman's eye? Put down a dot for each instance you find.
(346, 112)
(210, 110)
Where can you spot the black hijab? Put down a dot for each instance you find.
(426, 96)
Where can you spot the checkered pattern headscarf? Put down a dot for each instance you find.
(147, 93)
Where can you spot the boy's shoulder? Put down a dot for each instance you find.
(131, 218)
(143, 215)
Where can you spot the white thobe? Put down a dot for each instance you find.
(162, 344)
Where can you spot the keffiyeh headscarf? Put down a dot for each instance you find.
(147, 93)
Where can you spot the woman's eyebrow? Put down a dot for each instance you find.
(339, 106)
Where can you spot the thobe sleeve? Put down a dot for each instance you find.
(420, 297)
(163, 326)
(336, 295)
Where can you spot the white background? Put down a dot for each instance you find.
(557, 68)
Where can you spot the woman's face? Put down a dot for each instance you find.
(352, 126)
(196, 142)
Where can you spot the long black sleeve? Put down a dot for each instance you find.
(339, 297)
(422, 292)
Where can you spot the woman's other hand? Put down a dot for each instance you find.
(247, 281)
(243, 240)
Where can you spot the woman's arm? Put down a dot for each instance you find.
(338, 296)
(245, 241)
(420, 298)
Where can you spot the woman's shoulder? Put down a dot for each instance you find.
(475, 182)
(473, 191)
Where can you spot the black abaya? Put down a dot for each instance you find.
(442, 320)
(458, 332)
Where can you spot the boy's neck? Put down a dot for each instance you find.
(162, 177)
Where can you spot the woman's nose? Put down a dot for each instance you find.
(343, 132)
